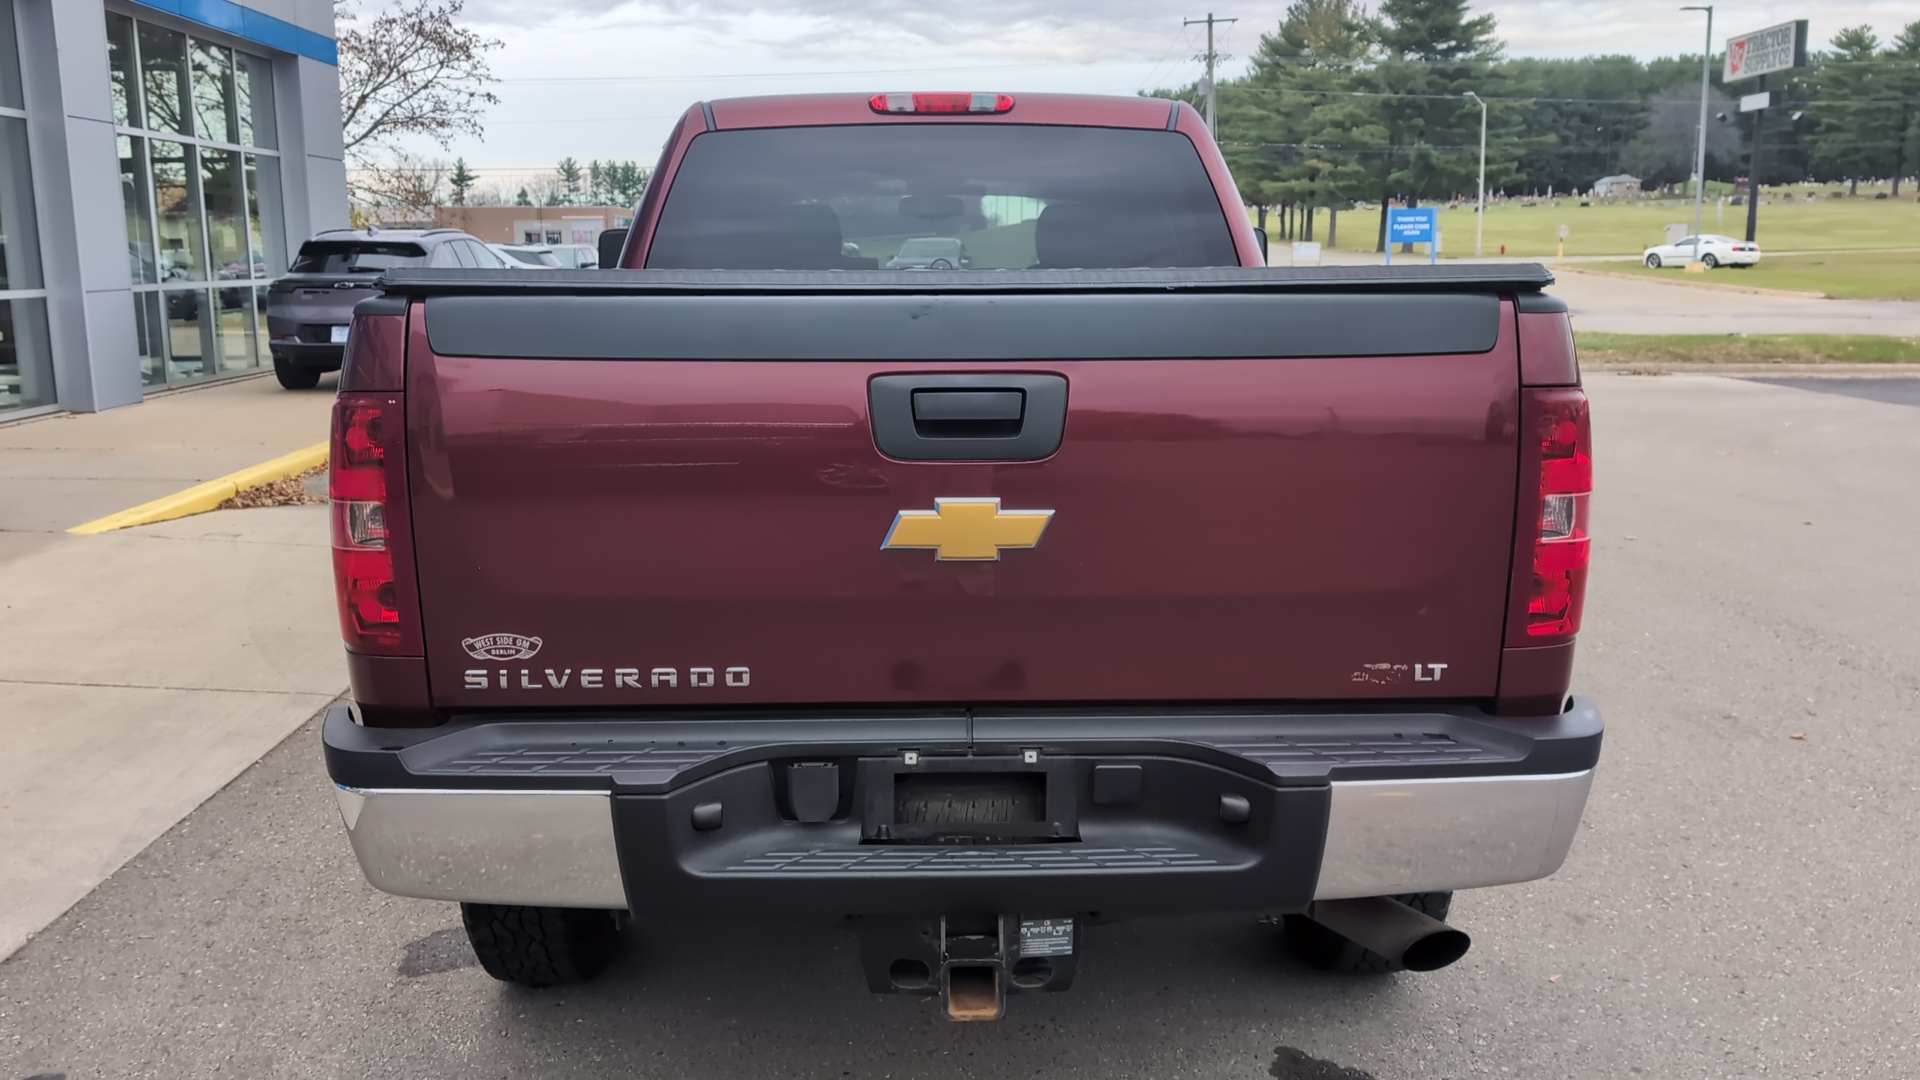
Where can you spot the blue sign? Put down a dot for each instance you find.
(1415, 225)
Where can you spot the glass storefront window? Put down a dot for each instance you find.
(266, 232)
(253, 84)
(135, 195)
(233, 329)
(213, 92)
(205, 223)
(19, 230)
(120, 63)
(10, 95)
(150, 333)
(186, 348)
(221, 182)
(26, 356)
(177, 206)
(163, 63)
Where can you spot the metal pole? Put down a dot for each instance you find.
(1480, 213)
(1213, 100)
(1753, 168)
(1213, 103)
(1700, 147)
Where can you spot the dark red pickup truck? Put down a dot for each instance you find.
(783, 574)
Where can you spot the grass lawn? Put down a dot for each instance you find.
(1749, 349)
(1875, 276)
(1530, 231)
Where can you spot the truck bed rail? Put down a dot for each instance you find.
(1504, 278)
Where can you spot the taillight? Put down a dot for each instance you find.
(366, 479)
(941, 103)
(1561, 548)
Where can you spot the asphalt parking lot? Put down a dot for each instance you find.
(1741, 901)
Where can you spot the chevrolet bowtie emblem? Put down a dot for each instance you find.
(966, 529)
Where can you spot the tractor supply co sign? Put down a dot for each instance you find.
(1763, 52)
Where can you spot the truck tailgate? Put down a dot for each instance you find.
(657, 504)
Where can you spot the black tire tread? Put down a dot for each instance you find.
(540, 947)
(1323, 949)
(293, 377)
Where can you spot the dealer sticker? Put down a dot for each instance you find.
(1046, 937)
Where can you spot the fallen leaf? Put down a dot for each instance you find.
(1553, 978)
(1801, 735)
(1633, 538)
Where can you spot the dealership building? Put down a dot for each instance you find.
(157, 160)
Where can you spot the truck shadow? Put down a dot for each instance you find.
(720, 1000)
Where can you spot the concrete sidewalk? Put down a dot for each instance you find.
(59, 471)
(147, 667)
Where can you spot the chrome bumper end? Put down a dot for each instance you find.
(1389, 837)
(546, 848)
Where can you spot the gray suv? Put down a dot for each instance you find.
(308, 310)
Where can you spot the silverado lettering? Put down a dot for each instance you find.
(595, 678)
(1263, 492)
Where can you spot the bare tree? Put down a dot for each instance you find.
(488, 195)
(410, 70)
(402, 188)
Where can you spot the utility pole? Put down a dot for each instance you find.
(1753, 166)
(1480, 200)
(1700, 146)
(1213, 102)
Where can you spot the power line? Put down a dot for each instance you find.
(1527, 100)
(1178, 37)
(1587, 148)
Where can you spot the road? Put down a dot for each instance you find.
(1616, 303)
(1741, 901)
(1622, 304)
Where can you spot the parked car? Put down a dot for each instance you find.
(524, 256)
(576, 256)
(1707, 248)
(931, 253)
(310, 309)
(960, 617)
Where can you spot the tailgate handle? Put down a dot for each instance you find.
(963, 414)
(987, 417)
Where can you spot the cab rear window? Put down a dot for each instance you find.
(882, 196)
(356, 256)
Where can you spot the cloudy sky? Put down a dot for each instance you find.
(607, 78)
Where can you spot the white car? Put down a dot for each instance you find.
(1709, 249)
(526, 256)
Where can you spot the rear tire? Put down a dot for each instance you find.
(540, 947)
(1709, 261)
(1653, 262)
(295, 378)
(1321, 948)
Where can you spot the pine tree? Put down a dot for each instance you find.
(1433, 54)
(1311, 61)
(461, 181)
(523, 199)
(1902, 83)
(569, 174)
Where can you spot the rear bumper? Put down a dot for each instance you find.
(1239, 813)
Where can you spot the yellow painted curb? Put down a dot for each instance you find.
(201, 498)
